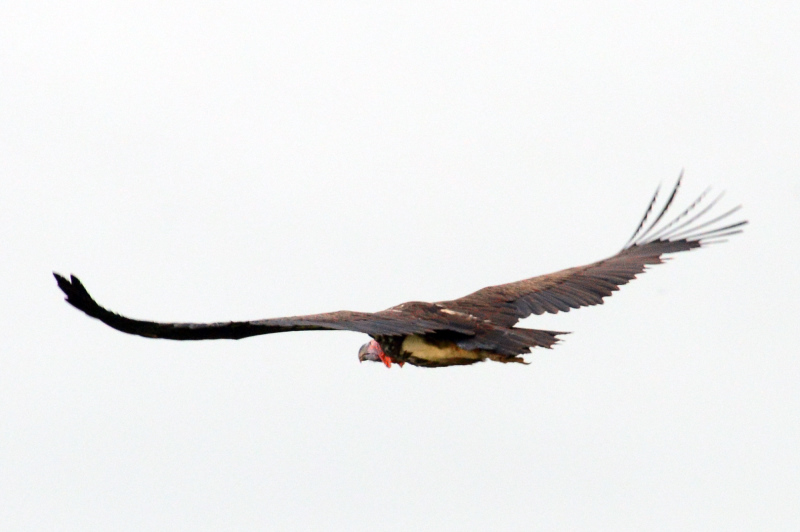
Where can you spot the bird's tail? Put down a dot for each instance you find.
(508, 343)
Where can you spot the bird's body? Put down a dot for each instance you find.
(443, 349)
(479, 326)
(432, 352)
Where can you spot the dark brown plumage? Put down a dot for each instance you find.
(476, 327)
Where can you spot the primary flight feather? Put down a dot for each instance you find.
(478, 326)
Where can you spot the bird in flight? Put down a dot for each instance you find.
(479, 326)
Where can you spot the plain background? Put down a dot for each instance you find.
(202, 161)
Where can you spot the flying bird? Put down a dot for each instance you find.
(479, 326)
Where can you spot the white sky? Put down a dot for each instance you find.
(215, 161)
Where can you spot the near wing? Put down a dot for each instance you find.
(588, 285)
(381, 323)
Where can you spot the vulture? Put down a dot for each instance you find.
(479, 326)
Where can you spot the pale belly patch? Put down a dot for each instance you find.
(419, 348)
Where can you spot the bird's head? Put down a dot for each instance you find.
(370, 351)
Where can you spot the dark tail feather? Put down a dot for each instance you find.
(511, 342)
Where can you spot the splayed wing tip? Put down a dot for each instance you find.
(76, 294)
(697, 229)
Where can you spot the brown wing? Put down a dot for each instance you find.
(588, 285)
(391, 322)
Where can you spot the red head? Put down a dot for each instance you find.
(371, 351)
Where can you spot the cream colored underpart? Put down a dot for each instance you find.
(419, 348)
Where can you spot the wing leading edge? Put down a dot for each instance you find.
(587, 285)
(379, 323)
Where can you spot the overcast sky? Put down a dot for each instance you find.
(202, 161)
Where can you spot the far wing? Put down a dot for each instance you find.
(588, 285)
(381, 323)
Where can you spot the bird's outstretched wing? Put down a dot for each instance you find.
(379, 323)
(561, 291)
